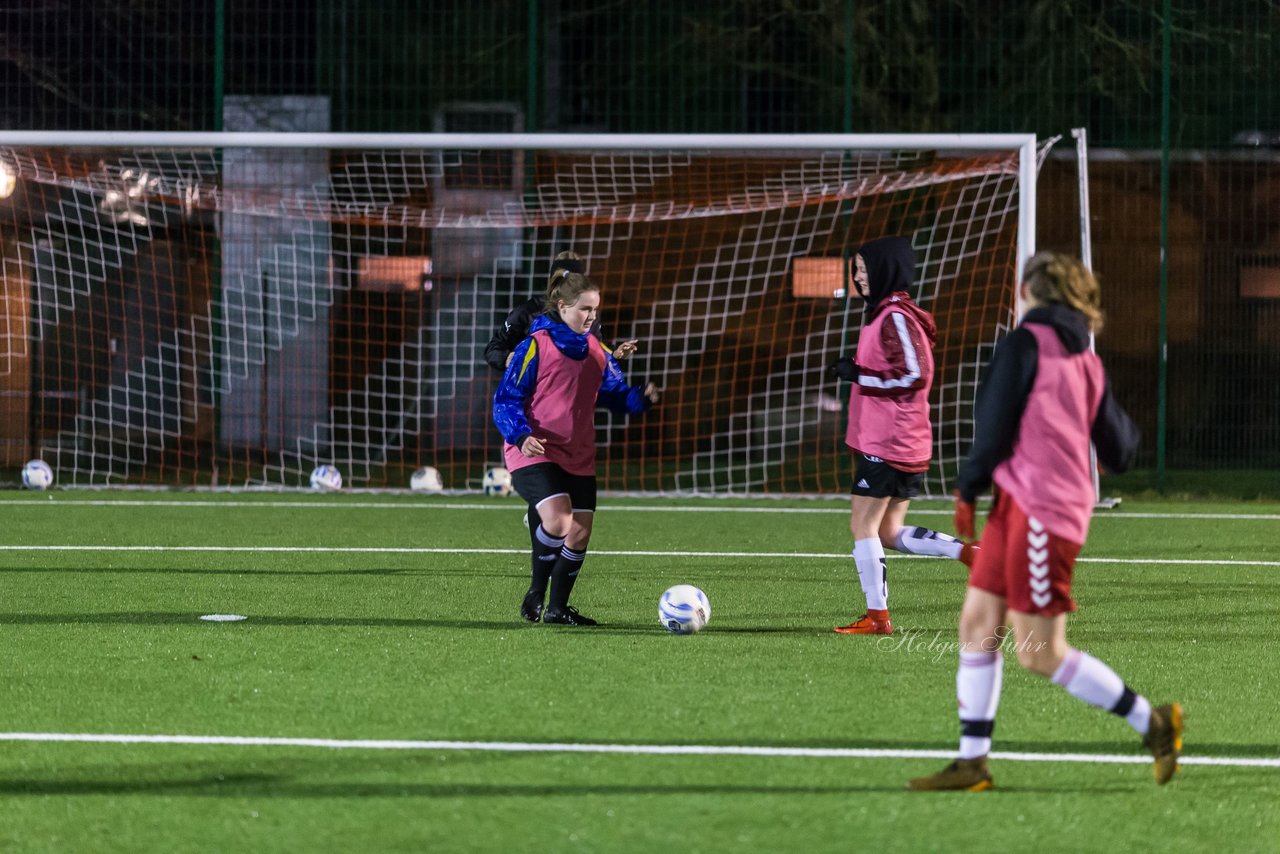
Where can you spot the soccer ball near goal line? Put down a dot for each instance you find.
(684, 609)
(426, 479)
(36, 474)
(496, 481)
(326, 478)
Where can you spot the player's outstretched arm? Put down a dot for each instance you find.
(620, 397)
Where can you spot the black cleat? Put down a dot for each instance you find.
(531, 607)
(567, 616)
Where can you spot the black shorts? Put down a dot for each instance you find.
(874, 478)
(540, 481)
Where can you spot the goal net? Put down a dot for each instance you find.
(237, 309)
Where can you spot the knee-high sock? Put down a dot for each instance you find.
(978, 681)
(532, 522)
(925, 541)
(568, 564)
(1088, 679)
(546, 550)
(868, 555)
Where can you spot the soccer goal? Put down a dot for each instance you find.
(235, 309)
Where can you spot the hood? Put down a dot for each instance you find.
(566, 340)
(1071, 326)
(891, 266)
(901, 301)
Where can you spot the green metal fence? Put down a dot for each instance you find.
(1178, 97)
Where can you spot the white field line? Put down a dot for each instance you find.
(595, 552)
(512, 506)
(627, 749)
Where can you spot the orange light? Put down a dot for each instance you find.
(393, 273)
(822, 278)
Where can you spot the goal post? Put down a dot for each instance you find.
(234, 309)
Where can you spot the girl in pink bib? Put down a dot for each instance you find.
(1043, 399)
(889, 431)
(545, 410)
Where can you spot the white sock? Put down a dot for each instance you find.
(924, 541)
(1098, 685)
(1139, 717)
(547, 540)
(978, 681)
(1088, 679)
(868, 555)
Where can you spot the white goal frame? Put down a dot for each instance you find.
(1029, 151)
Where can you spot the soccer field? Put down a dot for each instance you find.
(382, 693)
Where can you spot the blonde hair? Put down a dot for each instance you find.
(567, 287)
(1056, 278)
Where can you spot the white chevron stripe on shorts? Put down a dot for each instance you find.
(1038, 562)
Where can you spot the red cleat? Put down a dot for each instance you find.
(870, 623)
(969, 553)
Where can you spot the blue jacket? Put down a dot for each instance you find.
(521, 377)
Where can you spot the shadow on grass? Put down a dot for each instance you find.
(246, 571)
(152, 618)
(257, 785)
(163, 618)
(406, 774)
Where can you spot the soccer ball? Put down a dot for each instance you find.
(326, 478)
(497, 481)
(36, 474)
(684, 609)
(426, 479)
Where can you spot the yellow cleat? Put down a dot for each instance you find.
(1164, 740)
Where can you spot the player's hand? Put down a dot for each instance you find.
(844, 368)
(625, 348)
(964, 517)
(532, 447)
(510, 356)
(651, 392)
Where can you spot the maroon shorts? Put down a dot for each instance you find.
(1024, 563)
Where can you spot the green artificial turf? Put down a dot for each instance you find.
(394, 617)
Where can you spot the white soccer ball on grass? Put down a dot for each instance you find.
(684, 609)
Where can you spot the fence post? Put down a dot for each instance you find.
(1162, 391)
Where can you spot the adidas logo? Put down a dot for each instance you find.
(862, 484)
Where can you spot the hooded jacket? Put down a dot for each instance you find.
(889, 406)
